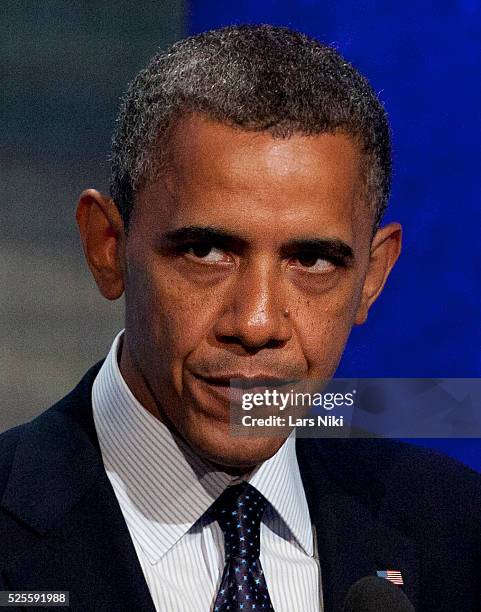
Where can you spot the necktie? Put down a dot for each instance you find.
(239, 512)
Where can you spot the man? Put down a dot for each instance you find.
(250, 172)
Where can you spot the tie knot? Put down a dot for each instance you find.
(239, 513)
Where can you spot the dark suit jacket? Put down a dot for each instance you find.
(376, 505)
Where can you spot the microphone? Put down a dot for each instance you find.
(373, 594)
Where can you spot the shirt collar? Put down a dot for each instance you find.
(169, 487)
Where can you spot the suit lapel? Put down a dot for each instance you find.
(88, 553)
(72, 535)
(345, 502)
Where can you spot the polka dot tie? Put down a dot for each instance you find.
(239, 512)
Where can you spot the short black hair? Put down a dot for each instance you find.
(256, 77)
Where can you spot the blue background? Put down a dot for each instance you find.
(424, 59)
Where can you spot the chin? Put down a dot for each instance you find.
(204, 425)
(212, 441)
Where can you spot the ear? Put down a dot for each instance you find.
(103, 238)
(385, 249)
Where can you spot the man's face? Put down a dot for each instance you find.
(248, 258)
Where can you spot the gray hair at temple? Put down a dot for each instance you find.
(255, 77)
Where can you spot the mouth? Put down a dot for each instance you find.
(229, 389)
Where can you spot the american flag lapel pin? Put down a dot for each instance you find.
(393, 576)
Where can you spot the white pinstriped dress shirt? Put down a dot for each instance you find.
(164, 490)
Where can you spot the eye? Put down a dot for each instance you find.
(206, 252)
(312, 263)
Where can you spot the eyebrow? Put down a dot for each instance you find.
(332, 248)
(207, 233)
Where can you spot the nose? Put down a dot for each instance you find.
(256, 314)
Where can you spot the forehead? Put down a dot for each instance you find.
(220, 174)
(200, 145)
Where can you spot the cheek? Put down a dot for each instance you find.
(169, 319)
(323, 326)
